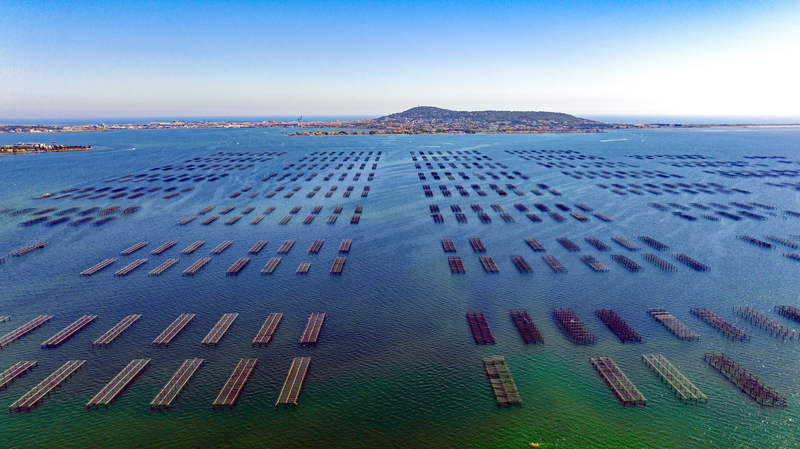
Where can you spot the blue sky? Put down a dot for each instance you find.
(143, 58)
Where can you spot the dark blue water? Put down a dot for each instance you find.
(396, 364)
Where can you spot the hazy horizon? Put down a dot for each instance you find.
(78, 59)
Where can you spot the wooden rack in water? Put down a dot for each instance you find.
(555, 264)
(51, 382)
(187, 220)
(312, 330)
(593, 263)
(69, 331)
(673, 324)
(698, 266)
(270, 267)
(294, 381)
(264, 335)
(237, 266)
(219, 330)
(116, 331)
(23, 330)
(597, 243)
(16, 370)
(166, 265)
(477, 245)
(505, 390)
(133, 249)
(210, 220)
(128, 269)
(233, 387)
(619, 326)
(181, 377)
(522, 264)
(303, 268)
(746, 381)
(535, 245)
(316, 246)
(626, 262)
(488, 264)
(221, 247)
(720, 323)
(195, 267)
(659, 262)
(163, 247)
(255, 249)
(764, 322)
(27, 249)
(344, 247)
(285, 247)
(191, 248)
(481, 331)
(119, 383)
(626, 243)
(456, 264)
(677, 381)
(338, 265)
(623, 388)
(91, 271)
(257, 219)
(526, 326)
(573, 327)
(166, 337)
(653, 242)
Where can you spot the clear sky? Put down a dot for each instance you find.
(214, 58)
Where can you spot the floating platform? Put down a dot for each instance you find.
(766, 323)
(133, 249)
(128, 269)
(68, 332)
(332, 219)
(163, 247)
(533, 217)
(674, 325)
(271, 265)
(527, 327)
(191, 248)
(355, 219)
(237, 266)
(344, 247)
(695, 265)
(51, 382)
(481, 331)
(521, 264)
(720, 323)
(535, 245)
(477, 245)
(313, 327)
(257, 219)
(677, 381)
(285, 247)
(16, 370)
(233, 220)
(316, 246)
(94, 269)
(112, 334)
(174, 386)
(659, 262)
(456, 264)
(746, 381)
(222, 247)
(264, 335)
(219, 329)
(233, 387)
(119, 383)
(294, 381)
(623, 388)
(505, 390)
(555, 264)
(602, 216)
(187, 220)
(195, 267)
(210, 220)
(255, 249)
(593, 263)
(573, 327)
(338, 265)
(166, 337)
(620, 327)
(23, 330)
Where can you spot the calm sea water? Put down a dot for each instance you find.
(396, 364)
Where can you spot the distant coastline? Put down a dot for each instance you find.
(418, 120)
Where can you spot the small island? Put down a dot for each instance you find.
(30, 147)
(432, 120)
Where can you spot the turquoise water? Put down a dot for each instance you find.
(396, 364)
